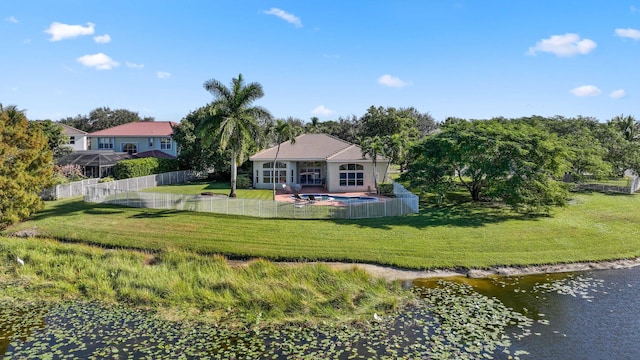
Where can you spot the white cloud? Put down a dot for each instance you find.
(563, 45)
(322, 111)
(59, 31)
(290, 18)
(618, 94)
(628, 33)
(586, 90)
(11, 19)
(134, 65)
(102, 39)
(391, 81)
(99, 61)
(163, 75)
(633, 9)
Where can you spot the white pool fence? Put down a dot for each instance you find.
(402, 204)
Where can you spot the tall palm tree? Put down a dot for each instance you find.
(281, 131)
(232, 120)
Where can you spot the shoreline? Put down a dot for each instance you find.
(396, 274)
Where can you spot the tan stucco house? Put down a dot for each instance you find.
(318, 160)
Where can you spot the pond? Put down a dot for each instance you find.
(589, 315)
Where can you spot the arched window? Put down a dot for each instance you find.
(351, 175)
(267, 172)
(130, 148)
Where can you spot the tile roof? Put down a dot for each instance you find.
(139, 128)
(155, 154)
(314, 147)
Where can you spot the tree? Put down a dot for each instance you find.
(233, 121)
(193, 152)
(374, 146)
(397, 128)
(281, 131)
(103, 118)
(56, 138)
(628, 126)
(25, 166)
(495, 160)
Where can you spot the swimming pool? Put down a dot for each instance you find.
(341, 198)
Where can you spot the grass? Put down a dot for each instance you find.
(182, 282)
(221, 188)
(592, 227)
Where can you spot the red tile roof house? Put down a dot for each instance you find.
(318, 160)
(131, 140)
(139, 139)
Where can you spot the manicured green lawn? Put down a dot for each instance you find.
(221, 188)
(592, 227)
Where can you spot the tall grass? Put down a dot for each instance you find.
(182, 283)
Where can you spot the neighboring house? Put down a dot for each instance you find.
(78, 139)
(318, 160)
(130, 140)
(139, 139)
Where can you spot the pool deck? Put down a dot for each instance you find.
(288, 197)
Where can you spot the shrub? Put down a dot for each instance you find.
(243, 181)
(126, 169)
(106, 179)
(385, 189)
(71, 172)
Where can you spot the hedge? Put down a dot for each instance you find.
(125, 169)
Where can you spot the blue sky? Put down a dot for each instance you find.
(463, 58)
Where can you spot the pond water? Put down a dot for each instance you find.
(589, 315)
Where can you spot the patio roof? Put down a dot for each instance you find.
(93, 158)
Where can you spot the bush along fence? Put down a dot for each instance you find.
(79, 188)
(402, 204)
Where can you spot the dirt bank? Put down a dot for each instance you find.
(392, 274)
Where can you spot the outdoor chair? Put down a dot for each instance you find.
(312, 198)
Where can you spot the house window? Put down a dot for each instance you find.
(150, 142)
(280, 173)
(105, 143)
(351, 175)
(72, 140)
(165, 144)
(130, 149)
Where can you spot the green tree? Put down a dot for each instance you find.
(495, 160)
(281, 131)
(234, 121)
(194, 154)
(374, 146)
(628, 126)
(25, 166)
(397, 129)
(103, 118)
(56, 138)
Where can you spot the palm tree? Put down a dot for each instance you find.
(373, 146)
(281, 131)
(628, 125)
(232, 120)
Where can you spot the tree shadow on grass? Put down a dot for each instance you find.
(459, 215)
(75, 207)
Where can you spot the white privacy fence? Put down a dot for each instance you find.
(72, 189)
(401, 205)
(77, 188)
